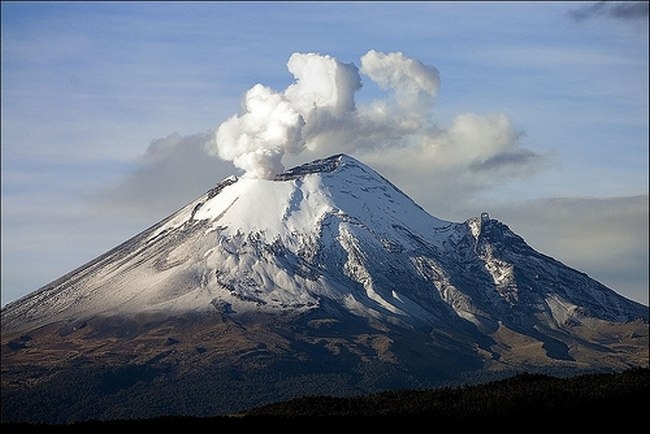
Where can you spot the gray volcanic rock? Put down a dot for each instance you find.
(326, 279)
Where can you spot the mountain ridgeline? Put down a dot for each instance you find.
(326, 280)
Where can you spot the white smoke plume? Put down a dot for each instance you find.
(273, 123)
(256, 140)
(318, 115)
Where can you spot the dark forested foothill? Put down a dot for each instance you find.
(598, 402)
(608, 398)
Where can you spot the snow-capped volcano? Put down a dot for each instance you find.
(326, 263)
(255, 244)
(330, 229)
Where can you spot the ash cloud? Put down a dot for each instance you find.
(317, 115)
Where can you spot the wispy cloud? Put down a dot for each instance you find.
(172, 171)
(628, 11)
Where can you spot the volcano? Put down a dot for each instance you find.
(326, 279)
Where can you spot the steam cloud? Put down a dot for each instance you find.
(256, 140)
(414, 84)
(273, 123)
(318, 114)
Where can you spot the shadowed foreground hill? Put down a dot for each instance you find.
(521, 397)
(599, 402)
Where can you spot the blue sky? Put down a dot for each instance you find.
(106, 107)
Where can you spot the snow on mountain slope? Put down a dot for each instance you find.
(331, 230)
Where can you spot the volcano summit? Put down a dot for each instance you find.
(326, 279)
